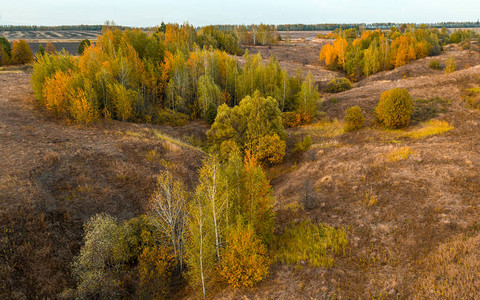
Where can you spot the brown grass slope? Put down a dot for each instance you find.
(55, 176)
(400, 212)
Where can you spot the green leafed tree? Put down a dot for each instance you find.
(209, 96)
(246, 126)
(308, 97)
(83, 44)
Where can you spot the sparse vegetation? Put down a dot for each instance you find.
(425, 109)
(304, 144)
(472, 97)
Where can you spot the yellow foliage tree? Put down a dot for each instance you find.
(244, 259)
(155, 266)
(21, 53)
(56, 93)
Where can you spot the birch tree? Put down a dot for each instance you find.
(168, 208)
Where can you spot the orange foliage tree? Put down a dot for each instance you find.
(244, 260)
(21, 53)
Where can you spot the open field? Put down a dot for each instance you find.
(50, 35)
(409, 198)
(68, 40)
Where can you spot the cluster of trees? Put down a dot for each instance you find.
(132, 75)
(257, 34)
(376, 51)
(219, 232)
(18, 54)
(373, 51)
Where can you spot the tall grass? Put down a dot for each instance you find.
(313, 243)
(398, 154)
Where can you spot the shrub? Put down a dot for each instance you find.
(450, 65)
(338, 85)
(21, 53)
(155, 267)
(395, 108)
(304, 144)
(435, 65)
(354, 119)
(244, 259)
(56, 93)
(472, 97)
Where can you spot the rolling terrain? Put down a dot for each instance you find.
(409, 198)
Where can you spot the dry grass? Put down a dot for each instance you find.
(451, 272)
(325, 129)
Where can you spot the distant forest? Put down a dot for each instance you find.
(281, 27)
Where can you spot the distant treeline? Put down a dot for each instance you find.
(54, 28)
(373, 26)
(227, 27)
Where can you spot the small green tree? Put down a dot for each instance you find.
(308, 96)
(395, 108)
(5, 45)
(83, 44)
(5, 51)
(246, 126)
(354, 119)
(41, 50)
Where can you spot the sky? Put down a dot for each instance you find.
(145, 13)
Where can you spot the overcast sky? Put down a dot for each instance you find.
(145, 13)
